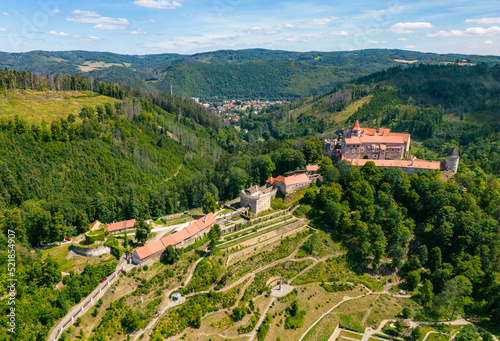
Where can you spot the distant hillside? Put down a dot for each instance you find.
(227, 73)
(442, 106)
(75, 150)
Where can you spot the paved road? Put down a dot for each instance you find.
(85, 304)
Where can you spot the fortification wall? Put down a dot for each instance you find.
(91, 252)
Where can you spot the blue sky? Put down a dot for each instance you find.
(190, 26)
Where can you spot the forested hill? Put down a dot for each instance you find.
(442, 106)
(108, 162)
(251, 73)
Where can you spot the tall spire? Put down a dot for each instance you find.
(453, 152)
(356, 126)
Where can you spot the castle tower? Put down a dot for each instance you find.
(452, 160)
(356, 130)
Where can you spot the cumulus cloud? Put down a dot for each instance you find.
(471, 31)
(139, 31)
(152, 20)
(160, 4)
(337, 34)
(410, 46)
(403, 39)
(321, 21)
(408, 27)
(487, 42)
(3, 29)
(55, 11)
(89, 38)
(61, 34)
(4, 13)
(100, 22)
(484, 21)
(286, 26)
(262, 30)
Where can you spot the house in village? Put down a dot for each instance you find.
(185, 237)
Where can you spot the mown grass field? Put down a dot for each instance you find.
(36, 106)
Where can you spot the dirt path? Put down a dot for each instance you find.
(173, 176)
(262, 317)
(429, 333)
(169, 304)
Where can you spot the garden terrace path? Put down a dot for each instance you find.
(170, 304)
(261, 319)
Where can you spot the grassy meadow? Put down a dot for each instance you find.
(36, 106)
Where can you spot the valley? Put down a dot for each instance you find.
(351, 253)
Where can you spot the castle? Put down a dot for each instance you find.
(385, 149)
(257, 199)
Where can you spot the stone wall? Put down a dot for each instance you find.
(91, 252)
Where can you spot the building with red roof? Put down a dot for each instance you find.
(362, 143)
(182, 238)
(290, 183)
(120, 226)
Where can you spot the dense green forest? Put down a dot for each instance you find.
(112, 162)
(251, 73)
(440, 106)
(445, 235)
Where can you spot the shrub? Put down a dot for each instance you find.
(93, 236)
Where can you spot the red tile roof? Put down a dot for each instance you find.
(271, 180)
(168, 240)
(312, 168)
(294, 179)
(177, 237)
(405, 137)
(356, 125)
(375, 139)
(422, 164)
(150, 249)
(121, 225)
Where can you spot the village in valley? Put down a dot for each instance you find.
(259, 248)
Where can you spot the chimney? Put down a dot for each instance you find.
(412, 159)
(205, 220)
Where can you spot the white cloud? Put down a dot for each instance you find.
(375, 11)
(161, 4)
(138, 31)
(286, 26)
(55, 11)
(471, 31)
(487, 42)
(403, 39)
(4, 13)
(320, 21)
(61, 34)
(262, 30)
(3, 30)
(89, 38)
(337, 34)
(484, 21)
(101, 23)
(152, 20)
(410, 46)
(371, 41)
(408, 27)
